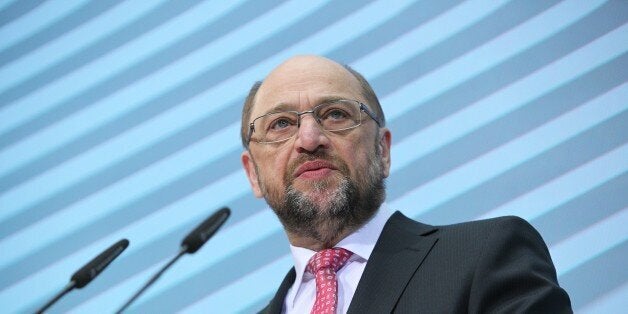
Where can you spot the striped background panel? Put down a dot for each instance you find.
(119, 119)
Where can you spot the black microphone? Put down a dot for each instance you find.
(195, 239)
(190, 244)
(88, 272)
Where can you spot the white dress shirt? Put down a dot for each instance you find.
(301, 296)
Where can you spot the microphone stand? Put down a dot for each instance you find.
(153, 279)
(65, 290)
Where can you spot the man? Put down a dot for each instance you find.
(318, 151)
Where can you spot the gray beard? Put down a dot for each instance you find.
(350, 205)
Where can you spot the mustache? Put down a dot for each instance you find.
(317, 155)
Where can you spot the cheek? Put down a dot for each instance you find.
(360, 156)
(273, 169)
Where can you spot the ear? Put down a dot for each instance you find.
(384, 146)
(251, 173)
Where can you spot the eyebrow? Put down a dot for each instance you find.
(281, 107)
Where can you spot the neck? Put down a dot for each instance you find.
(313, 243)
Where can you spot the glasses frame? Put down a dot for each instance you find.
(363, 108)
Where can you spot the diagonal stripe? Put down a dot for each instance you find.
(111, 21)
(498, 102)
(425, 36)
(116, 61)
(60, 176)
(486, 56)
(597, 239)
(17, 237)
(38, 19)
(609, 303)
(239, 295)
(509, 155)
(497, 105)
(566, 187)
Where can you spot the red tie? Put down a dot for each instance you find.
(324, 266)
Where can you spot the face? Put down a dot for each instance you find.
(319, 183)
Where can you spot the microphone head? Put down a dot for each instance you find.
(195, 239)
(84, 275)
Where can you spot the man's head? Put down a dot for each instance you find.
(322, 184)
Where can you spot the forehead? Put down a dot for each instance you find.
(302, 83)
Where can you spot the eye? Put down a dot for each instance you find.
(335, 114)
(280, 123)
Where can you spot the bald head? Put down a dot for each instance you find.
(300, 80)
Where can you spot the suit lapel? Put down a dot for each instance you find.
(398, 253)
(276, 304)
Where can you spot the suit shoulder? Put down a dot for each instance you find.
(504, 223)
(506, 228)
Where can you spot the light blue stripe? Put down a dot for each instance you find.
(431, 33)
(110, 199)
(43, 282)
(490, 54)
(225, 243)
(565, 188)
(33, 231)
(21, 197)
(509, 98)
(508, 156)
(244, 292)
(137, 94)
(196, 207)
(161, 224)
(611, 302)
(582, 114)
(40, 18)
(597, 239)
(6, 3)
(51, 53)
(114, 62)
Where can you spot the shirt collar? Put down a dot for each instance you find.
(361, 243)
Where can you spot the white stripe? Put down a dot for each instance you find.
(6, 3)
(591, 242)
(249, 231)
(611, 302)
(509, 98)
(21, 197)
(40, 18)
(192, 208)
(105, 203)
(108, 110)
(565, 188)
(35, 232)
(82, 261)
(112, 63)
(508, 156)
(95, 29)
(59, 179)
(431, 33)
(494, 52)
(112, 198)
(242, 293)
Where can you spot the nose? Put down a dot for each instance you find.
(310, 136)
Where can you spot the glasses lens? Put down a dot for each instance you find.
(335, 115)
(276, 126)
(338, 115)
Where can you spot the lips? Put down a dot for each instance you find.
(315, 166)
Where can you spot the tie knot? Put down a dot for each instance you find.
(332, 259)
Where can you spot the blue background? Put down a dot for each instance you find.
(119, 119)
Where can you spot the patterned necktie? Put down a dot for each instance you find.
(324, 266)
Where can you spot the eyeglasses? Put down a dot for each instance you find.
(332, 115)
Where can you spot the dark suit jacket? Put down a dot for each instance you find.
(498, 265)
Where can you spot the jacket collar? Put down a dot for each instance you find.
(398, 253)
(400, 250)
